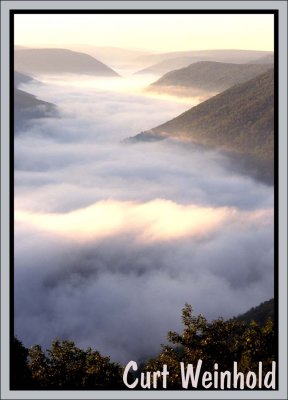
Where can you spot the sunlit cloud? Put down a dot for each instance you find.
(129, 84)
(154, 220)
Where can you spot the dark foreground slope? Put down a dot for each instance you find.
(209, 76)
(55, 61)
(240, 119)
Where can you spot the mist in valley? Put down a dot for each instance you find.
(113, 238)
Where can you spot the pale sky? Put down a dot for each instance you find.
(157, 33)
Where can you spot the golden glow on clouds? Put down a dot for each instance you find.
(151, 221)
(154, 220)
(158, 33)
(131, 84)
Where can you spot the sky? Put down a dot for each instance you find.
(158, 33)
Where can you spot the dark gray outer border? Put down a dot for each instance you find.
(281, 5)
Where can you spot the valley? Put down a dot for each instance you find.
(135, 226)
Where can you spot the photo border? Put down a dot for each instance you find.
(20, 7)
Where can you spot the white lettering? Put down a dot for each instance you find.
(272, 376)
(155, 376)
(236, 376)
(190, 374)
(249, 384)
(133, 365)
(216, 376)
(207, 377)
(260, 377)
(223, 375)
(165, 373)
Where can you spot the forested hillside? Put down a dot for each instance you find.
(210, 76)
(20, 78)
(164, 62)
(27, 106)
(259, 314)
(240, 119)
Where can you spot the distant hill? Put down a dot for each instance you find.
(55, 61)
(168, 65)
(259, 314)
(240, 120)
(17, 47)
(209, 76)
(111, 55)
(268, 59)
(27, 107)
(22, 78)
(165, 62)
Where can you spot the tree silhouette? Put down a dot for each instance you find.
(20, 372)
(219, 342)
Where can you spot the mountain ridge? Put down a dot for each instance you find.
(28, 106)
(239, 119)
(209, 76)
(58, 60)
(20, 78)
(259, 314)
(164, 62)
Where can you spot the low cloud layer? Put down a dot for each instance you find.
(112, 239)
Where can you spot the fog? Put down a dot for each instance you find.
(112, 239)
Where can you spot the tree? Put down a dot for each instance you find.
(21, 377)
(65, 366)
(101, 373)
(221, 342)
(39, 365)
(257, 344)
